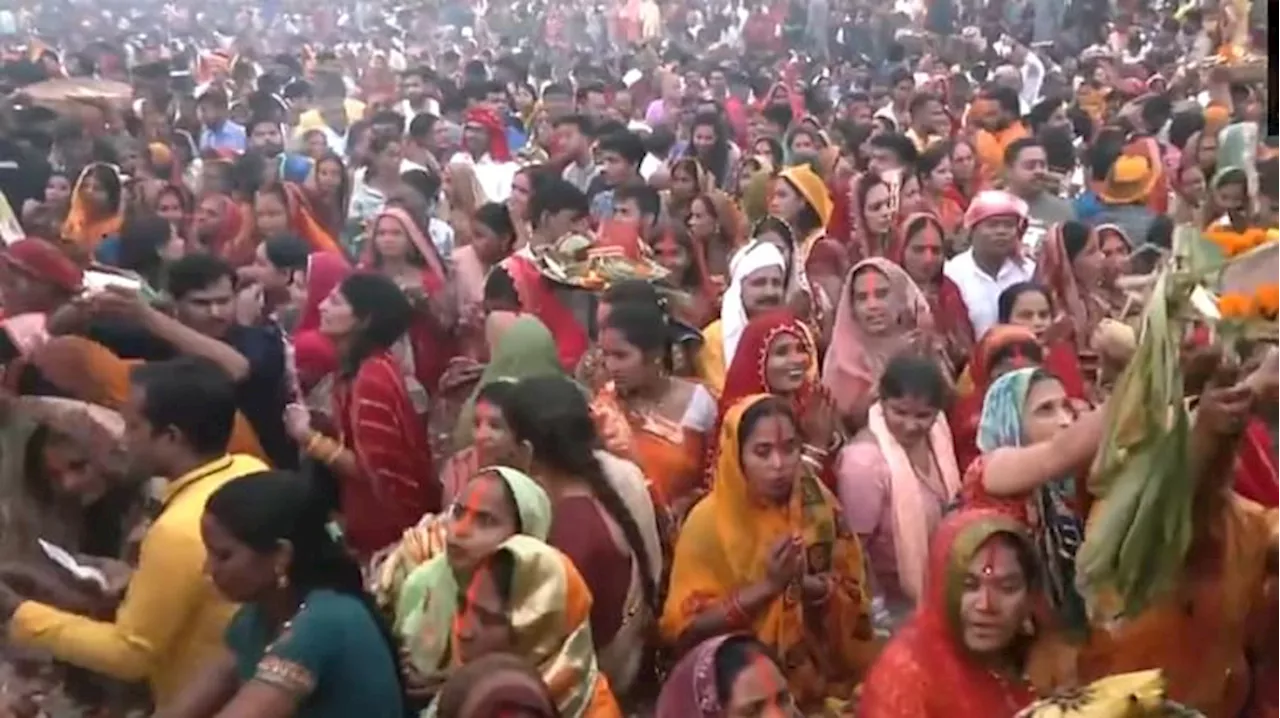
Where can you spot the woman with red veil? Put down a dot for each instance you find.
(929, 669)
(777, 355)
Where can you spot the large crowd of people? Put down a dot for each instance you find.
(641, 359)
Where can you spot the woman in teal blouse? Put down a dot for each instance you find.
(306, 641)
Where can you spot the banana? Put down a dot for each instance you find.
(1127, 695)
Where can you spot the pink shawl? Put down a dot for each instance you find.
(468, 277)
(910, 529)
(856, 359)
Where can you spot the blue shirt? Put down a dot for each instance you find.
(229, 136)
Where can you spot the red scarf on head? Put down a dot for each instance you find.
(539, 299)
(487, 118)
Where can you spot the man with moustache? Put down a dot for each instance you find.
(758, 284)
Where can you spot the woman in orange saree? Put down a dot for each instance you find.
(1214, 633)
(86, 370)
(1003, 348)
(967, 651)
(279, 210)
(767, 552)
(645, 414)
(97, 207)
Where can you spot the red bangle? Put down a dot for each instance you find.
(735, 614)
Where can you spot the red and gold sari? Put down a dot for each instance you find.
(925, 671)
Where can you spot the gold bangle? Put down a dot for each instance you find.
(334, 453)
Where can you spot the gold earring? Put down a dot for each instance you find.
(282, 580)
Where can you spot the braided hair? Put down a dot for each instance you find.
(551, 413)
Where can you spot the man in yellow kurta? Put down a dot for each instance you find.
(178, 422)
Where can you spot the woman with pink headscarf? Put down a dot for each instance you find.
(401, 251)
(881, 313)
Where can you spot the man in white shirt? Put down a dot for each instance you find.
(416, 87)
(994, 261)
(485, 148)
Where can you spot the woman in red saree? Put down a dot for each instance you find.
(872, 210)
(387, 480)
(921, 250)
(937, 184)
(698, 303)
(777, 355)
(1003, 348)
(966, 653)
(401, 251)
(1029, 305)
(517, 280)
(315, 355)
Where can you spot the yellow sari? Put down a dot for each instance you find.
(82, 229)
(550, 615)
(725, 544)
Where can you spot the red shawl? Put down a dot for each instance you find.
(925, 671)
(539, 299)
(746, 374)
(397, 484)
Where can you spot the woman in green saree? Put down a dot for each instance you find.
(523, 348)
(497, 503)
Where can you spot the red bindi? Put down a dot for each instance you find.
(472, 507)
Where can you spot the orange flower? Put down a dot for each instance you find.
(1267, 299)
(1235, 306)
(1233, 243)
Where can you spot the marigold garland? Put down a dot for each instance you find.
(1264, 303)
(1233, 243)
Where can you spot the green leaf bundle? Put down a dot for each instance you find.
(1140, 528)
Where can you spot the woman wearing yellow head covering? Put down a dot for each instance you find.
(97, 206)
(801, 199)
(529, 600)
(768, 552)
